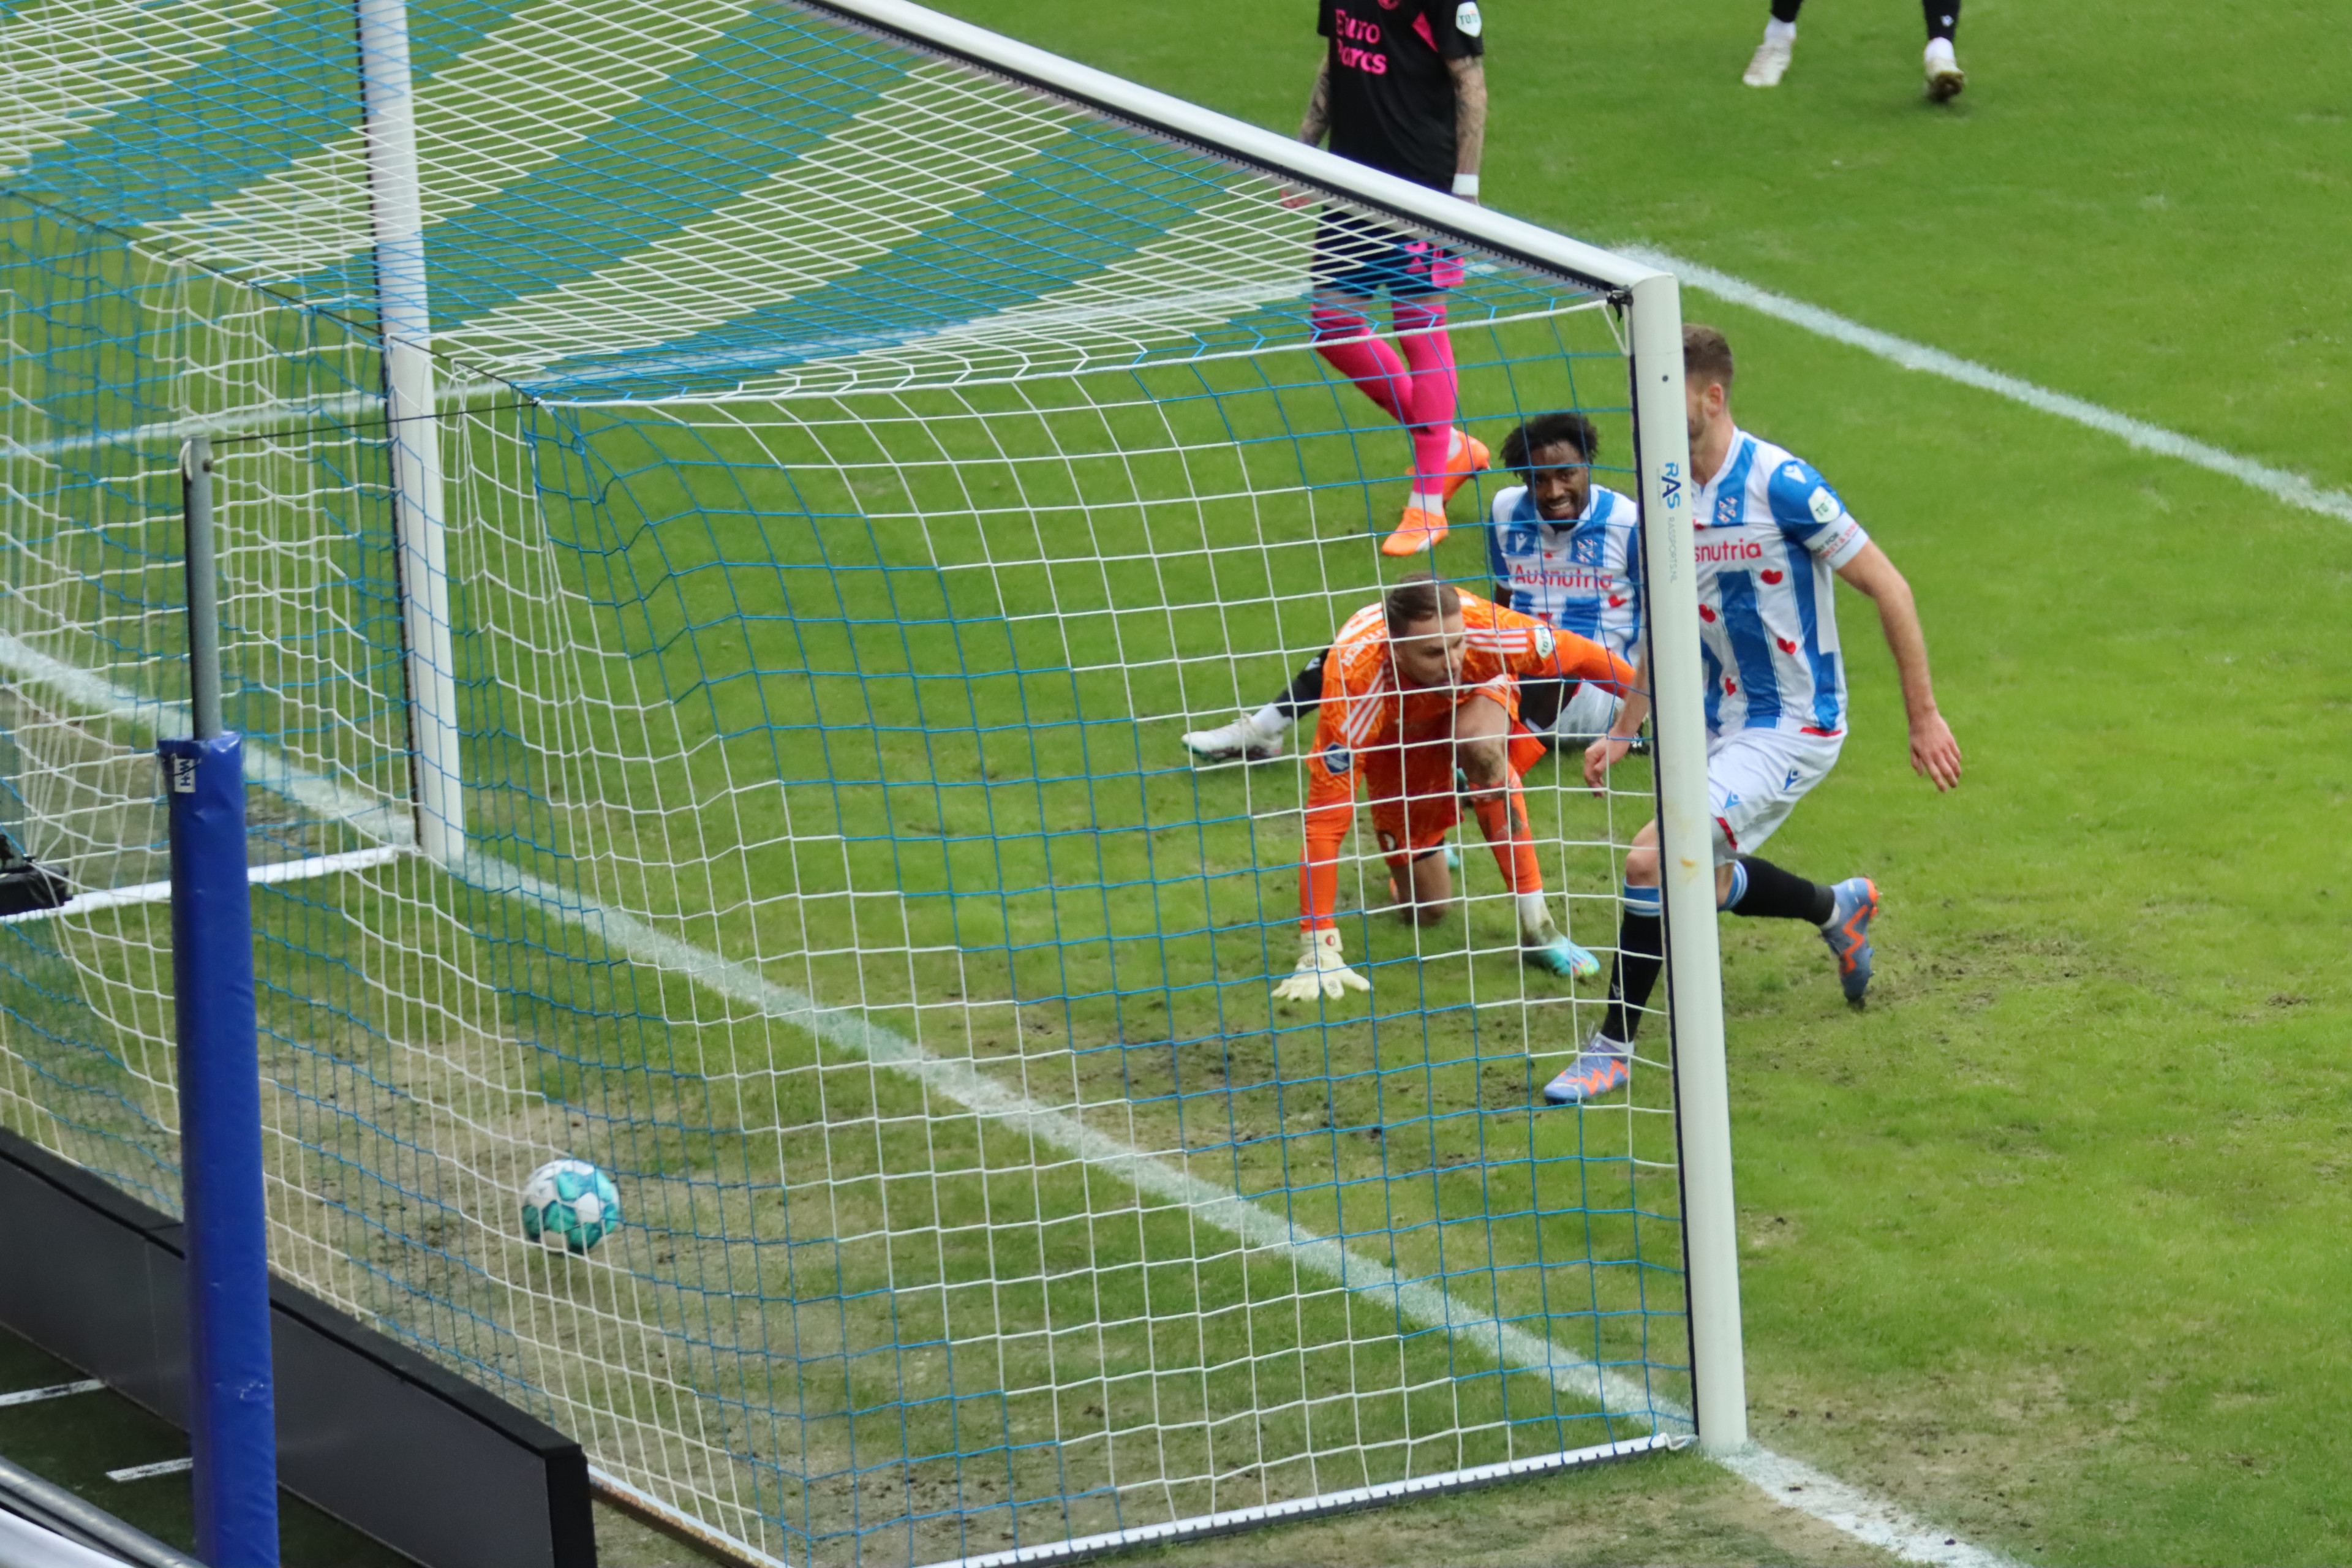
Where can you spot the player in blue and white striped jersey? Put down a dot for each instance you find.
(1572, 559)
(1569, 553)
(1770, 535)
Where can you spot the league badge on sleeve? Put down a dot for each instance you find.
(1825, 507)
(1466, 20)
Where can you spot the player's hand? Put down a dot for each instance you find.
(1321, 971)
(1600, 756)
(1934, 754)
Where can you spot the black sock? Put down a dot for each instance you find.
(1305, 692)
(1775, 894)
(1943, 17)
(1785, 10)
(1640, 952)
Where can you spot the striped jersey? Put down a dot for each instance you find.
(1583, 576)
(1769, 532)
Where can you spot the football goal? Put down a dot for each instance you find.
(723, 518)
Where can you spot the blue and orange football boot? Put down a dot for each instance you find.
(1848, 932)
(1604, 1066)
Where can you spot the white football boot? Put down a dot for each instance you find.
(1944, 78)
(1771, 62)
(1239, 742)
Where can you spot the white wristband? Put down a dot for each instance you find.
(1465, 185)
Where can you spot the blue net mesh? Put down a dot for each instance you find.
(861, 473)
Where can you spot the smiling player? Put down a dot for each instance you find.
(1563, 549)
(1768, 534)
(1420, 687)
(1569, 553)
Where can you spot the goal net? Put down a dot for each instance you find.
(862, 457)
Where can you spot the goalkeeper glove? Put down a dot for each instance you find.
(1320, 970)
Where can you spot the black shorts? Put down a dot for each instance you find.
(1357, 256)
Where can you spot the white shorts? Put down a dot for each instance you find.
(1754, 779)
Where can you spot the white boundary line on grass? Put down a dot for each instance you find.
(2290, 488)
(1789, 1482)
(265, 875)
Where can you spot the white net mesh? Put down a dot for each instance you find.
(862, 472)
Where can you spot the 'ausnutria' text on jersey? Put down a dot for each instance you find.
(1582, 576)
(1770, 534)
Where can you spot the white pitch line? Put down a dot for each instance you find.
(1792, 1483)
(263, 875)
(55, 1390)
(2290, 488)
(386, 821)
(144, 1472)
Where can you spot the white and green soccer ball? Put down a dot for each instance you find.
(569, 1205)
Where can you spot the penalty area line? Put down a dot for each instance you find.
(2288, 487)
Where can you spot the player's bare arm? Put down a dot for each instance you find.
(1933, 752)
(1469, 119)
(1609, 750)
(1317, 122)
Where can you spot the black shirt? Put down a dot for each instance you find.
(1392, 89)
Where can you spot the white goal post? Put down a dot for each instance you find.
(712, 670)
(1653, 311)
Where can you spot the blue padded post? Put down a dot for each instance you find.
(231, 1422)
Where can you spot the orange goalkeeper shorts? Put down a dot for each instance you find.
(1414, 800)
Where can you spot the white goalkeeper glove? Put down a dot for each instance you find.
(1320, 970)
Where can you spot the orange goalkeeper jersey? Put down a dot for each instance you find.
(1365, 708)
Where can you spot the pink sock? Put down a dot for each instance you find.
(1367, 362)
(1421, 330)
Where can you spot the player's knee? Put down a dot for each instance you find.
(1641, 867)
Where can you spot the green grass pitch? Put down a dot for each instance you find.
(2045, 1242)
(2043, 1245)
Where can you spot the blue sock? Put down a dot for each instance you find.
(1738, 888)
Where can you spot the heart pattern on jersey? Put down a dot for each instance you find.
(1616, 601)
(1730, 687)
(1705, 612)
(1772, 576)
(1786, 646)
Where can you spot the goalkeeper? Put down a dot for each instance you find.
(1419, 687)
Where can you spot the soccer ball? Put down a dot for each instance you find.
(569, 1204)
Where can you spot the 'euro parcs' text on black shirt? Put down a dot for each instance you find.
(1392, 89)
